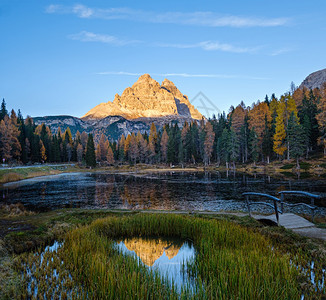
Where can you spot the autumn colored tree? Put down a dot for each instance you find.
(42, 152)
(133, 148)
(164, 145)
(257, 116)
(121, 147)
(279, 138)
(238, 117)
(5, 142)
(103, 148)
(208, 143)
(110, 156)
(142, 146)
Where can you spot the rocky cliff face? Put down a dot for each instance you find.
(314, 80)
(147, 99)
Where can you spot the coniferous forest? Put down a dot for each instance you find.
(291, 127)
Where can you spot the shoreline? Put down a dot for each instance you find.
(312, 169)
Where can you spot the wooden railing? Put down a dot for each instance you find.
(312, 197)
(276, 201)
(278, 204)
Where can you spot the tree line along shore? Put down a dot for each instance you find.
(291, 127)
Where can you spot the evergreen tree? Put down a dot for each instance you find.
(307, 114)
(267, 145)
(254, 145)
(296, 138)
(3, 110)
(90, 152)
(224, 142)
(233, 146)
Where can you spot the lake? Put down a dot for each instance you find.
(200, 191)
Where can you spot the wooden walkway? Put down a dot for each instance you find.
(296, 223)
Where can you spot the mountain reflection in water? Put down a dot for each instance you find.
(168, 257)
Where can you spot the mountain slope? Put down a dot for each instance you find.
(147, 99)
(314, 80)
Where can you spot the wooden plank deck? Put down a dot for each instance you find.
(296, 223)
(287, 220)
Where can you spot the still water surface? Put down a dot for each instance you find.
(169, 257)
(211, 191)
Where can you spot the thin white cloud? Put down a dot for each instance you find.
(189, 75)
(281, 51)
(213, 46)
(86, 36)
(208, 19)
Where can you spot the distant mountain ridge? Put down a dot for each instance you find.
(314, 80)
(147, 99)
(139, 106)
(112, 126)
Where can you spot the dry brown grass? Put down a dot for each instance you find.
(15, 210)
(11, 177)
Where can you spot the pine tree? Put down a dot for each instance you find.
(321, 117)
(5, 145)
(296, 138)
(3, 110)
(224, 146)
(254, 145)
(267, 145)
(90, 152)
(233, 146)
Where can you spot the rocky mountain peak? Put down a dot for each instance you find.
(314, 80)
(147, 98)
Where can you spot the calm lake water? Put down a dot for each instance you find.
(168, 257)
(211, 191)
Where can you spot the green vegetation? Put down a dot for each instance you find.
(223, 243)
(231, 260)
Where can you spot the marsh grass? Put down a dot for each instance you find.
(231, 262)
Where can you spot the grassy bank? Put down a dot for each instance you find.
(16, 174)
(227, 245)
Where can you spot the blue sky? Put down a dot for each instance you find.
(63, 57)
